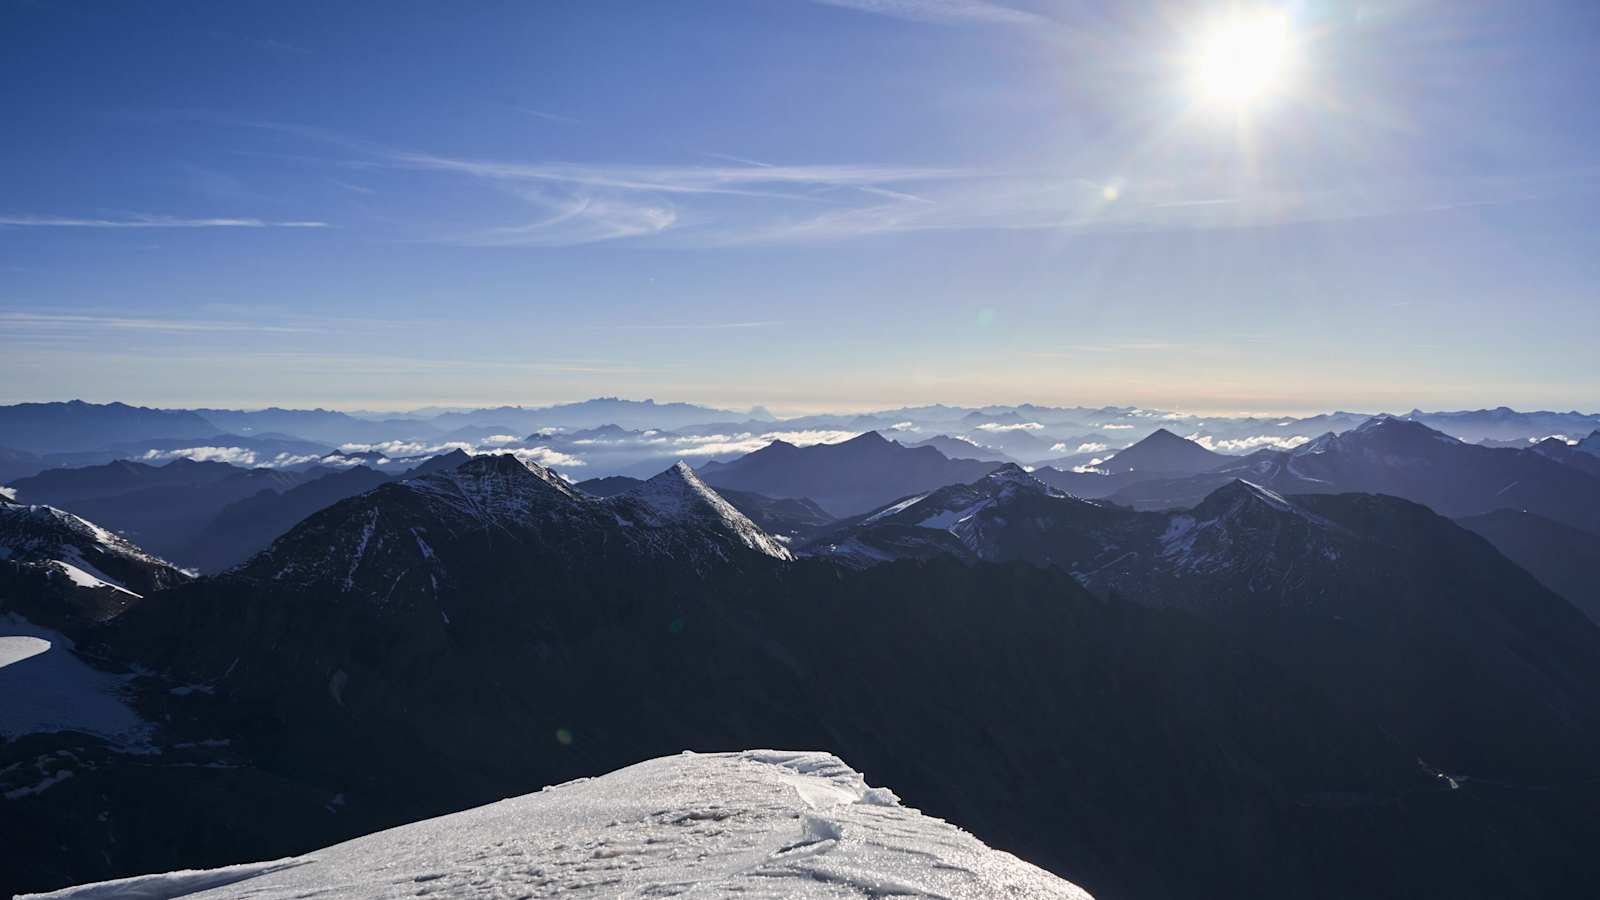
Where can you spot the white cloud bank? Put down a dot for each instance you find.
(238, 456)
(1245, 445)
(996, 427)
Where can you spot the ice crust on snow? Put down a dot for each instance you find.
(757, 824)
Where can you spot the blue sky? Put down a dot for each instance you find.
(802, 204)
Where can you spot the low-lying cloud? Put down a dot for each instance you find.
(747, 442)
(997, 427)
(545, 456)
(238, 456)
(1245, 445)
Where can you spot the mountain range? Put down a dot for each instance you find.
(1404, 459)
(1321, 693)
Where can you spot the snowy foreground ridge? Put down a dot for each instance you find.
(757, 824)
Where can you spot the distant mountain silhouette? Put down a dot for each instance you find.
(76, 425)
(1567, 454)
(245, 527)
(844, 478)
(961, 448)
(1402, 458)
(1163, 452)
(589, 414)
(162, 508)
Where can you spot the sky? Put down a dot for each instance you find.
(803, 204)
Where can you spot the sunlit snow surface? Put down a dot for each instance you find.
(758, 824)
(45, 687)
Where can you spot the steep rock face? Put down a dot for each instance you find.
(760, 823)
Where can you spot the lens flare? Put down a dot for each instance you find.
(1243, 60)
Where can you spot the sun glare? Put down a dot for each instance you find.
(1243, 59)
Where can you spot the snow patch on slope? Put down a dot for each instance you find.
(45, 687)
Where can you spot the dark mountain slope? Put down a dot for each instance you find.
(961, 448)
(1393, 609)
(244, 527)
(1565, 559)
(441, 642)
(1072, 730)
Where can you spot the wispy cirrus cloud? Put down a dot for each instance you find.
(573, 220)
(944, 12)
(78, 322)
(735, 179)
(149, 221)
(689, 326)
(547, 116)
(740, 202)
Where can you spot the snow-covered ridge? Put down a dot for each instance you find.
(43, 529)
(757, 824)
(679, 496)
(73, 546)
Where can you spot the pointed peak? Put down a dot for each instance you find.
(679, 473)
(1238, 494)
(509, 466)
(678, 496)
(1016, 476)
(868, 438)
(1392, 425)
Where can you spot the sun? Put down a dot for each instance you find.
(1242, 60)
